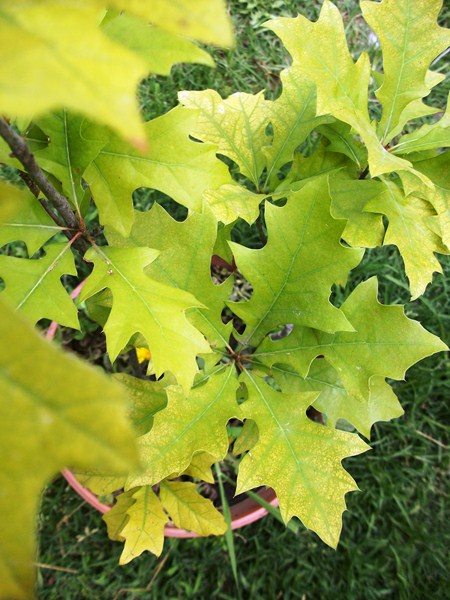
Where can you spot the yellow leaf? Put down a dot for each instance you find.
(203, 20)
(144, 529)
(200, 467)
(55, 411)
(305, 467)
(64, 60)
(189, 510)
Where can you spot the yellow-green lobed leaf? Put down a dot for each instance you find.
(116, 518)
(200, 467)
(437, 169)
(99, 483)
(293, 274)
(343, 140)
(385, 343)
(160, 49)
(236, 125)
(48, 425)
(205, 20)
(336, 402)
(232, 201)
(144, 527)
(27, 222)
(74, 142)
(144, 305)
(173, 164)
(50, 40)
(146, 399)
(427, 137)
(319, 50)
(189, 424)
(299, 459)
(410, 39)
(190, 510)
(349, 198)
(318, 163)
(183, 263)
(38, 292)
(408, 229)
(247, 438)
(293, 117)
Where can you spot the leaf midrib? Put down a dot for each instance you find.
(287, 273)
(300, 466)
(48, 270)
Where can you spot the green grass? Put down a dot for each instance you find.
(395, 536)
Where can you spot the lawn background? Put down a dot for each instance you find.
(396, 539)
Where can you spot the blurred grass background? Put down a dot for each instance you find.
(396, 539)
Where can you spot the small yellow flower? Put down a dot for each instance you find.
(143, 354)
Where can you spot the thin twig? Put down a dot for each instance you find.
(29, 182)
(25, 157)
(430, 439)
(156, 572)
(54, 568)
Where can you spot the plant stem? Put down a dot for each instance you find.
(23, 155)
(363, 174)
(34, 172)
(259, 225)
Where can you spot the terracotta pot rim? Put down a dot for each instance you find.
(243, 513)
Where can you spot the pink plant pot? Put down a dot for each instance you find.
(243, 513)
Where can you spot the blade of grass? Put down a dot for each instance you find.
(229, 539)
